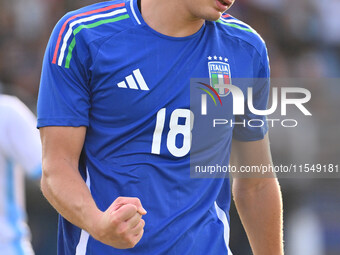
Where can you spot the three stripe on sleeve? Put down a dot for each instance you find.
(101, 17)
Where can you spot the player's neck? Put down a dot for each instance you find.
(166, 17)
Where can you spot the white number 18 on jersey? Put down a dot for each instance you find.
(175, 129)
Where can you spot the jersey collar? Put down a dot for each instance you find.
(137, 16)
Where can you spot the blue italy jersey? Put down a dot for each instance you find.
(106, 69)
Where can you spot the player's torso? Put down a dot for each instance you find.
(134, 83)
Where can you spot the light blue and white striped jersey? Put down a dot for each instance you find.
(20, 155)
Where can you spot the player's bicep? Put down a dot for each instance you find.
(61, 145)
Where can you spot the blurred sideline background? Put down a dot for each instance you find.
(303, 39)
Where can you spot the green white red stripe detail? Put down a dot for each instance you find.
(236, 24)
(54, 61)
(116, 15)
(91, 25)
(232, 23)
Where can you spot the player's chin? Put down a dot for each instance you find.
(213, 15)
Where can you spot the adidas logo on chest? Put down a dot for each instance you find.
(134, 81)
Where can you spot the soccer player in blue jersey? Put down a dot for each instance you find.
(115, 122)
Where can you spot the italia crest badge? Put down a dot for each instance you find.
(219, 74)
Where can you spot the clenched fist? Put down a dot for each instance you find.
(121, 225)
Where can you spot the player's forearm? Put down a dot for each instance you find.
(260, 210)
(65, 189)
(120, 226)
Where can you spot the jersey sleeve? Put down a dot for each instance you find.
(19, 137)
(64, 86)
(255, 130)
